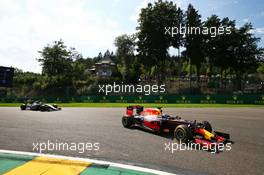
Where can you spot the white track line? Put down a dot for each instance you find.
(118, 165)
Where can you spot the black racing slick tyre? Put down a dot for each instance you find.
(23, 107)
(42, 108)
(127, 121)
(182, 133)
(207, 126)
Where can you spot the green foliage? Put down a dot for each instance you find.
(125, 49)
(56, 59)
(145, 55)
(153, 43)
(194, 43)
(261, 68)
(246, 53)
(64, 70)
(125, 56)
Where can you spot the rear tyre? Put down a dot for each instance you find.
(23, 107)
(127, 121)
(42, 109)
(207, 126)
(182, 133)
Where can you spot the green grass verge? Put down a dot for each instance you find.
(143, 104)
(10, 104)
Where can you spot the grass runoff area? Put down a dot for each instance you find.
(143, 104)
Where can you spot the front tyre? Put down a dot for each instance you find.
(182, 133)
(44, 108)
(127, 121)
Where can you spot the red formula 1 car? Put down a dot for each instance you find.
(183, 130)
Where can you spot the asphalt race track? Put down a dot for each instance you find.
(19, 129)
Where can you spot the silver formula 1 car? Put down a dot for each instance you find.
(39, 106)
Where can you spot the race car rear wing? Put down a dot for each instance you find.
(134, 110)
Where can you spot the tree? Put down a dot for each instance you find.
(260, 68)
(247, 55)
(57, 68)
(98, 58)
(125, 54)
(211, 42)
(107, 53)
(56, 59)
(153, 42)
(218, 49)
(194, 42)
(178, 40)
(125, 49)
(224, 58)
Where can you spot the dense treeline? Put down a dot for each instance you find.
(147, 56)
